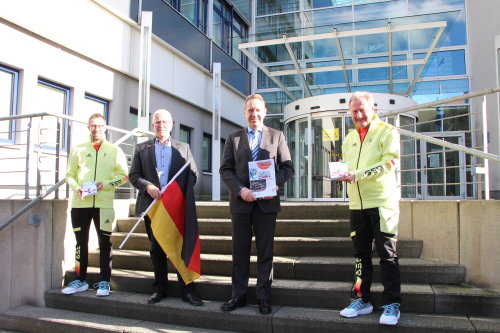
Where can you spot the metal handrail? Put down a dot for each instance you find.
(55, 187)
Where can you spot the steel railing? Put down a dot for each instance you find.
(22, 147)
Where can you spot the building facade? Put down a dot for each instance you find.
(81, 57)
(426, 50)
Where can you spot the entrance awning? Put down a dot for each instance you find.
(301, 68)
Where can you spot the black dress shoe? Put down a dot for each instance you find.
(264, 306)
(192, 299)
(156, 297)
(233, 303)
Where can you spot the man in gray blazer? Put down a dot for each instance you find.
(154, 163)
(248, 215)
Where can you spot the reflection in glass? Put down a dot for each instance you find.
(326, 147)
(443, 63)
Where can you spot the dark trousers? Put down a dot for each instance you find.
(365, 228)
(81, 219)
(160, 268)
(244, 226)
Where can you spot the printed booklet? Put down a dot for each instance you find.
(262, 178)
(337, 169)
(89, 188)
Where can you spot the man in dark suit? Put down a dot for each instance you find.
(249, 215)
(155, 162)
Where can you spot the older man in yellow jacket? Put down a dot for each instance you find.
(95, 168)
(372, 155)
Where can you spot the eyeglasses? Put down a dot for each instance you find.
(96, 126)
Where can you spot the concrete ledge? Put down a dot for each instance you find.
(247, 319)
(320, 294)
(40, 319)
(291, 320)
(170, 310)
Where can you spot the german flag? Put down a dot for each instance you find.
(175, 226)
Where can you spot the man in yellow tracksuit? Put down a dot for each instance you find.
(95, 168)
(372, 155)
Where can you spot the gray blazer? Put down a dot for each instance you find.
(143, 169)
(234, 167)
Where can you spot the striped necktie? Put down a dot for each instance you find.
(254, 144)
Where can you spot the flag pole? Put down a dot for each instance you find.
(151, 205)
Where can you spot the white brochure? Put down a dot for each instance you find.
(89, 188)
(337, 169)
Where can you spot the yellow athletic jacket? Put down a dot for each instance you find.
(85, 164)
(374, 163)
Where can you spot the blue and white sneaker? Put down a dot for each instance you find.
(102, 288)
(356, 308)
(391, 314)
(74, 287)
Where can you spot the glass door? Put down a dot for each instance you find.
(442, 170)
(326, 147)
(297, 134)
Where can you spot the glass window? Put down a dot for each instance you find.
(372, 43)
(443, 63)
(8, 101)
(94, 105)
(270, 27)
(229, 30)
(206, 163)
(265, 7)
(90, 106)
(185, 134)
(53, 98)
(429, 91)
(408, 159)
(381, 73)
(333, 77)
(327, 3)
(129, 144)
(193, 10)
(444, 118)
(453, 35)
(386, 9)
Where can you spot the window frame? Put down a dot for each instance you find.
(66, 111)
(188, 130)
(207, 136)
(11, 135)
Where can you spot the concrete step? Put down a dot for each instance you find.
(289, 210)
(34, 319)
(284, 227)
(418, 298)
(413, 270)
(283, 246)
(247, 319)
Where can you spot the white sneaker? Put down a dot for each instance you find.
(391, 314)
(356, 308)
(74, 287)
(102, 288)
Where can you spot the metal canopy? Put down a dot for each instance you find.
(249, 49)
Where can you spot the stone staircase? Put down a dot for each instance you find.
(313, 271)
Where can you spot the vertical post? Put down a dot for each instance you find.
(145, 70)
(485, 148)
(216, 111)
(29, 149)
(38, 190)
(310, 137)
(58, 154)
